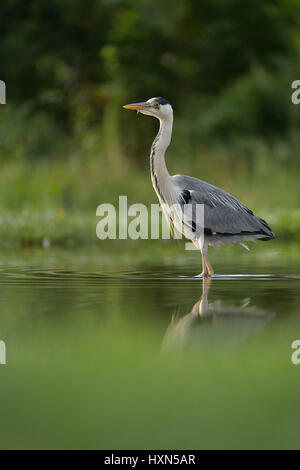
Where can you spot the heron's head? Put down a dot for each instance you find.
(156, 107)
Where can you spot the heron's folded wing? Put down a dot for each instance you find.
(223, 213)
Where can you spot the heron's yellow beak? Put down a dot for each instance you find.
(137, 106)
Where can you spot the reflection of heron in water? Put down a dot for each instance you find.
(216, 321)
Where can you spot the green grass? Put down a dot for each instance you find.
(51, 183)
(60, 228)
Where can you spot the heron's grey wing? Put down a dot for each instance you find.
(223, 213)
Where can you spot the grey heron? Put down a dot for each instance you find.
(226, 220)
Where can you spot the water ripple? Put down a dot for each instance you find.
(62, 277)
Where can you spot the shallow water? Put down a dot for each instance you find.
(113, 350)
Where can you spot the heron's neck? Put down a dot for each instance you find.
(159, 172)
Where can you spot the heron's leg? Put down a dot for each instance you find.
(209, 268)
(204, 266)
(203, 249)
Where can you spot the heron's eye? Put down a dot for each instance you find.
(156, 105)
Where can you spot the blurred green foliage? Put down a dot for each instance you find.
(75, 59)
(225, 65)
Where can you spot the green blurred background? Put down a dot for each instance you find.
(84, 327)
(66, 145)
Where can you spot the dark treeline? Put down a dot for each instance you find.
(234, 59)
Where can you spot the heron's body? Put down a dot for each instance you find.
(226, 220)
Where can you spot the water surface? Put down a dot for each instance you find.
(121, 349)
